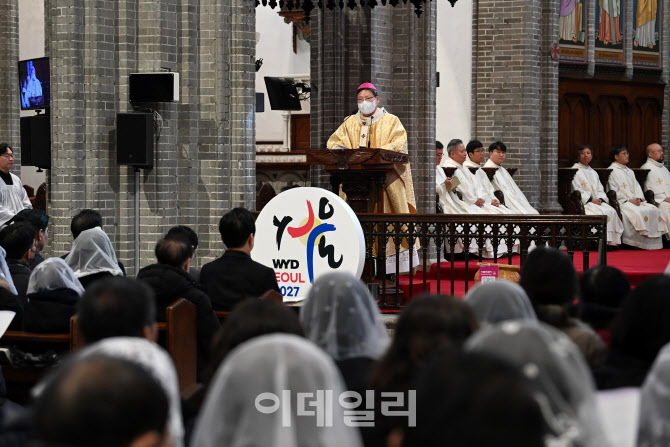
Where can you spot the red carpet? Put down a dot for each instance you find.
(636, 264)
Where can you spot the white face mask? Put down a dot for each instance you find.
(367, 107)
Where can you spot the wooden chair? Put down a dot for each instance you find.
(40, 202)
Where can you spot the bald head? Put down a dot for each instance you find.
(655, 152)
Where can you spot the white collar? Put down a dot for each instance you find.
(619, 166)
(655, 163)
(369, 120)
(580, 165)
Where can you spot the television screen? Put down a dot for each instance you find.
(282, 93)
(35, 83)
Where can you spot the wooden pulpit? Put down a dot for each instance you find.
(361, 172)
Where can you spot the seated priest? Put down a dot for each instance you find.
(373, 127)
(514, 198)
(587, 182)
(643, 225)
(443, 184)
(658, 179)
(485, 189)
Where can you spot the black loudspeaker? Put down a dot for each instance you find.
(153, 87)
(135, 139)
(36, 141)
(260, 102)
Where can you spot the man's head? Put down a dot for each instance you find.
(237, 228)
(439, 151)
(620, 155)
(498, 152)
(548, 276)
(175, 252)
(184, 233)
(37, 219)
(6, 157)
(367, 98)
(33, 73)
(18, 240)
(85, 220)
(456, 150)
(105, 402)
(584, 154)
(475, 150)
(117, 307)
(655, 152)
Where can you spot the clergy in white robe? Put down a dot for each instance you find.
(658, 179)
(643, 224)
(514, 198)
(485, 189)
(13, 197)
(587, 182)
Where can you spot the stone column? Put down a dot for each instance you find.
(10, 105)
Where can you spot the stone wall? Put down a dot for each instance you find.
(10, 103)
(204, 158)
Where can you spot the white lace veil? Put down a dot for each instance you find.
(562, 382)
(341, 317)
(154, 359)
(276, 364)
(92, 253)
(53, 273)
(498, 301)
(654, 418)
(4, 271)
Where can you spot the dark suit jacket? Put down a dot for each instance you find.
(20, 271)
(234, 277)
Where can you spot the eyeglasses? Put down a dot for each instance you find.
(499, 152)
(9, 156)
(478, 151)
(368, 99)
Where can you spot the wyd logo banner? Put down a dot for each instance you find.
(305, 232)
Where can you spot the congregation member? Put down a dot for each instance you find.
(85, 220)
(515, 200)
(658, 179)
(499, 301)
(593, 196)
(281, 365)
(653, 422)
(117, 307)
(170, 281)
(249, 319)
(102, 401)
(52, 297)
(485, 189)
(92, 257)
(18, 240)
(602, 289)
(341, 317)
(475, 400)
(639, 332)
(643, 224)
(373, 127)
(549, 278)
(560, 379)
(187, 234)
(235, 276)
(40, 221)
(13, 197)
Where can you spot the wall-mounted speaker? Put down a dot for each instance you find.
(135, 139)
(260, 102)
(154, 87)
(36, 141)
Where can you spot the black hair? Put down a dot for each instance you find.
(235, 227)
(603, 289)
(616, 150)
(549, 277)
(474, 399)
(182, 231)
(428, 323)
(116, 307)
(252, 318)
(100, 401)
(472, 145)
(17, 239)
(85, 220)
(174, 252)
(497, 145)
(37, 218)
(640, 328)
(4, 147)
(439, 145)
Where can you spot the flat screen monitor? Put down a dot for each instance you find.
(35, 83)
(282, 93)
